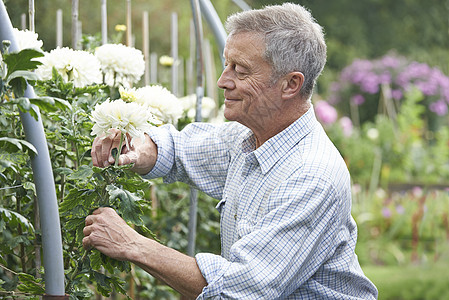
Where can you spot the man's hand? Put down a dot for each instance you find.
(143, 153)
(106, 231)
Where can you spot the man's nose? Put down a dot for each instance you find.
(225, 81)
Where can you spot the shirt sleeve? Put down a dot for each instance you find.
(276, 255)
(199, 155)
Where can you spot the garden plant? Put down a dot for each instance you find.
(387, 116)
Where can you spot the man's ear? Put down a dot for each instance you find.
(292, 84)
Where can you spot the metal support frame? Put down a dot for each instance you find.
(44, 182)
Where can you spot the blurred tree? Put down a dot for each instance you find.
(370, 28)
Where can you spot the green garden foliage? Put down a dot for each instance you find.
(399, 162)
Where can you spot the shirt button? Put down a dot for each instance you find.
(235, 216)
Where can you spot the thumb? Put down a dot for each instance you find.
(127, 158)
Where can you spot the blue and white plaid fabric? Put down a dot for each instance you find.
(286, 225)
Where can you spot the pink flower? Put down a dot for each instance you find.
(346, 125)
(386, 212)
(358, 99)
(326, 113)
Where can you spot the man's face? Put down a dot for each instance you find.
(250, 97)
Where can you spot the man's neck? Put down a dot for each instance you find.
(279, 123)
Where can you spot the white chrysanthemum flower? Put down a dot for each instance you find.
(128, 95)
(121, 65)
(189, 105)
(128, 117)
(27, 39)
(161, 101)
(80, 67)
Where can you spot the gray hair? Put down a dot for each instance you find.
(294, 41)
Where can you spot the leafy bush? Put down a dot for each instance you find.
(80, 188)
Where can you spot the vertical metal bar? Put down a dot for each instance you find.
(23, 21)
(212, 18)
(153, 68)
(129, 41)
(31, 13)
(44, 182)
(193, 213)
(59, 28)
(75, 24)
(104, 22)
(174, 54)
(146, 45)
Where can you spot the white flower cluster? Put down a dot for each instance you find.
(189, 106)
(121, 65)
(80, 67)
(158, 99)
(128, 117)
(27, 39)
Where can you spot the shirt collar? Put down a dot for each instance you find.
(277, 146)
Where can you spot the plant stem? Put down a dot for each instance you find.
(119, 150)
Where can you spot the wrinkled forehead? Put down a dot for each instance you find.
(244, 44)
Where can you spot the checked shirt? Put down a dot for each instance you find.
(285, 209)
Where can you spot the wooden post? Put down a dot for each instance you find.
(31, 14)
(181, 80)
(23, 21)
(174, 53)
(75, 5)
(128, 24)
(153, 68)
(59, 41)
(146, 46)
(104, 22)
(79, 32)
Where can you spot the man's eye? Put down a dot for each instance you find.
(240, 70)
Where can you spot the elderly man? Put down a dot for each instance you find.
(284, 190)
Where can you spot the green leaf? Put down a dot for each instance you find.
(19, 85)
(83, 173)
(95, 260)
(12, 217)
(51, 103)
(27, 75)
(128, 206)
(22, 60)
(74, 223)
(103, 283)
(30, 284)
(29, 186)
(63, 171)
(19, 144)
(74, 198)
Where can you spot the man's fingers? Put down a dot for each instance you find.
(102, 148)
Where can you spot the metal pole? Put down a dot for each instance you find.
(174, 54)
(193, 212)
(146, 45)
(75, 9)
(104, 22)
(31, 14)
(242, 4)
(59, 28)
(44, 182)
(215, 24)
(129, 37)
